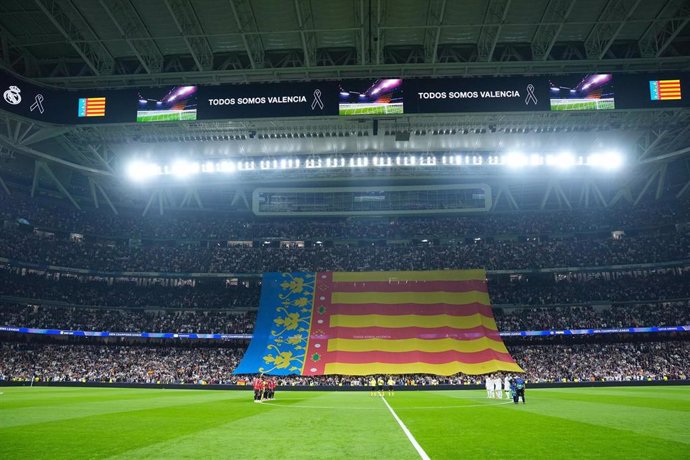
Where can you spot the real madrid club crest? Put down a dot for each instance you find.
(12, 95)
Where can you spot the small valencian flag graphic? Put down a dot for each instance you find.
(664, 90)
(91, 107)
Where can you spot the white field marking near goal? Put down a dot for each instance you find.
(423, 455)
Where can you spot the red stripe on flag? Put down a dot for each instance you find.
(420, 286)
(353, 357)
(376, 332)
(411, 309)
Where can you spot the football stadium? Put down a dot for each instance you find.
(303, 229)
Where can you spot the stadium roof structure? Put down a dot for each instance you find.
(128, 44)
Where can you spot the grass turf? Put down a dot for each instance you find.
(363, 109)
(581, 104)
(148, 117)
(632, 422)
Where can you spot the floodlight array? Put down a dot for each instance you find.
(140, 170)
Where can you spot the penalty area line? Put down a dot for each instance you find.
(411, 438)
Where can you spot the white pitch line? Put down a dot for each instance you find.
(414, 442)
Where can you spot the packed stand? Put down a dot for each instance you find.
(499, 254)
(210, 294)
(122, 320)
(589, 317)
(210, 225)
(121, 364)
(233, 322)
(219, 293)
(611, 361)
(615, 287)
(669, 360)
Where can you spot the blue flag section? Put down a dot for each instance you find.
(281, 333)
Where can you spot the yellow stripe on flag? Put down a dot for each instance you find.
(397, 298)
(425, 345)
(451, 368)
(431, 275)
(423, 321)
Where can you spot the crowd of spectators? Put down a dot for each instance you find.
(232, 322)
(209, 294)
(107, 363)
(201, 365)
(594, 317)
(127, 320)
(498, 254)
(616, 287)
(219, 307)
(611, 362)
(210, 225)
(218, 293)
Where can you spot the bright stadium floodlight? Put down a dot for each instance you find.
(515, 160)
(536, 160)
(208, 167)
(139, 171)
(183, 168)
(226, 166)
(606, 160)
(564, 160)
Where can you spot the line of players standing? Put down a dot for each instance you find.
(377, 387)
(264, 388)
(510, 388)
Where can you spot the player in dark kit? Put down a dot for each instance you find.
(258, 388)
(264, 389)
(271, 388)
(519, 390)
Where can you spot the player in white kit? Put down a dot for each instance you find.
(506, 387)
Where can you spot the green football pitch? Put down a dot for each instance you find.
(632, 422)
(371, 109)
(582, 104)
(154, 116)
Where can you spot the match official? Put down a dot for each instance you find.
(519, 390)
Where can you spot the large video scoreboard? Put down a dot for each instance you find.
(346, 98)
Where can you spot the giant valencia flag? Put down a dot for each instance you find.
(430, 322)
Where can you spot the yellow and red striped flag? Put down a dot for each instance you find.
(91, 107)
(661, 90)
(429, 322)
